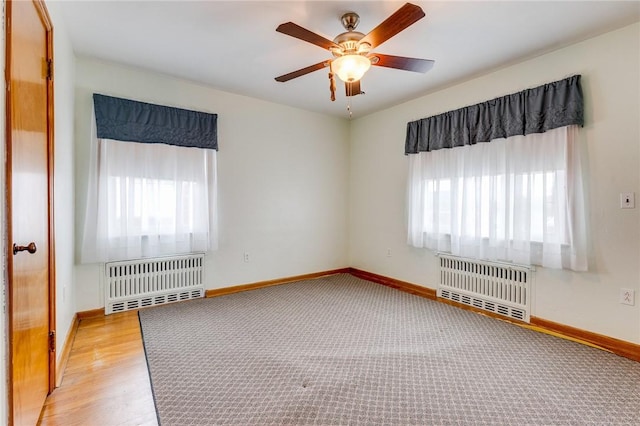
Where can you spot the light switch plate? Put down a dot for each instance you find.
(627, 200)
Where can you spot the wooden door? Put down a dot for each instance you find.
(29, 211)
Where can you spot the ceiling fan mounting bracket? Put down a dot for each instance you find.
(350, 21)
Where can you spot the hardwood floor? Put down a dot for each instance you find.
(106, 380)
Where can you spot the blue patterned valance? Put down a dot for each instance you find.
(133, 121)
(536, 110)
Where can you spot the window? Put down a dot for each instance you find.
(156, 192)
(517, 199)
(152, 187)
(150, 200)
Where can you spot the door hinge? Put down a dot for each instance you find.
(52, 341)
(49, 69)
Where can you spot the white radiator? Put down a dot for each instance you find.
(501, 288)
(135, 284)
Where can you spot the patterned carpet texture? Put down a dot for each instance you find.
(343, 351)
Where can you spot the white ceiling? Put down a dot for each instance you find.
(233, 45)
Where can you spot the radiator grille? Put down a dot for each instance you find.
(140, 283)
(500, 288)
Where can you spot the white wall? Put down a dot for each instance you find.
(610, 66)
(282, 176)
(64, 69)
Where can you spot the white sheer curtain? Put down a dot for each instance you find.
(518, 199)
(148, 200)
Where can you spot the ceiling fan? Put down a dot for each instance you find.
(352, 50)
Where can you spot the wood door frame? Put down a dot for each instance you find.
(46, 22)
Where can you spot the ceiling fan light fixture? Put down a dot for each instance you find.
(351, 67)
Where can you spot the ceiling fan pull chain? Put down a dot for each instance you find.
(332, 86)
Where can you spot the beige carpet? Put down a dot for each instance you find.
(343, 351)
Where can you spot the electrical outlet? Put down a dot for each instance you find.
(627, 296)
(246, 256)
(627, 200)
(388, 252)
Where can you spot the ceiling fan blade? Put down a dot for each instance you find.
(353, 88)
(402, 63)
(400, 20)
(295, 30)
(303, 71)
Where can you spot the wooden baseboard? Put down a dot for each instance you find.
(253, 286)
(617, 346)
(393, 283)
(94, 313)
(66, 349)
